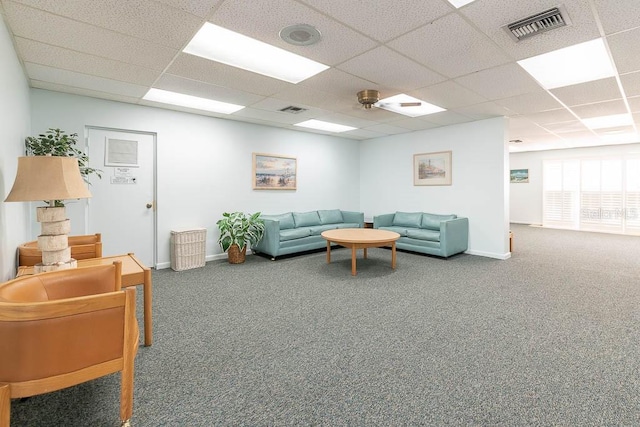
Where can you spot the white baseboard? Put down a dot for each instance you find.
(163, 265)
(504, 256)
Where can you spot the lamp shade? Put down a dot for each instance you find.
(48, 178)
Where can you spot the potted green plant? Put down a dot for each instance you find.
(56, 142)
(238, 229)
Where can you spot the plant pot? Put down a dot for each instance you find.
(237, 256)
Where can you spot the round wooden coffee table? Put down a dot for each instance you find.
(361, 238)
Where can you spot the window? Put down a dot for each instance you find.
(596, 194)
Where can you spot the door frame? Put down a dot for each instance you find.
(154, 164)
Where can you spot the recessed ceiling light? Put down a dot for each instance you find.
(580, 63)
(459, 3)
(327, 126)
(219, 44)
(604, 122)
(300, 35)
(175, 98)
(408, 105)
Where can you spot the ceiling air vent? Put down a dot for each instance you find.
(538, 23)
(292, 109)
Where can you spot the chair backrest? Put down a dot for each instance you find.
(62, 328)
(82, 247)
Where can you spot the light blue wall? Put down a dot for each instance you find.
(15, 125)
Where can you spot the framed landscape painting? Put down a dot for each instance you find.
(432, 168)
(519, 176)
(274, 172)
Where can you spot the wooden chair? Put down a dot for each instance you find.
(63, 328)
(82, 247)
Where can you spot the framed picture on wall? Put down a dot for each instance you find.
(432, 168)
(518, 176)
(274, 172)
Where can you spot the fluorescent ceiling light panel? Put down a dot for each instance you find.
(219, 44)
(175, 98)
(320, 125)
(459, 3)
(395, 104)
(580, 63)
(608, 121)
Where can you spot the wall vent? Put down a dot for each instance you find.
(293, 109)
(538, 23)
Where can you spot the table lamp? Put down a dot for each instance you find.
(50, 178)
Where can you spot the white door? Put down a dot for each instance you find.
(123, 204)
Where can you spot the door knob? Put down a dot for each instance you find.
(149, 205)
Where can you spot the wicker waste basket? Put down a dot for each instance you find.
(188, 248)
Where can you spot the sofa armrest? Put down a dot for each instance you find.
(270, 242)
(384, 220)
(350, 216)
(454, 236)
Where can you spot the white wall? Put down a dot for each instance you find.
(14, 122)
(526, 198)
(204, 163)
(479, 188)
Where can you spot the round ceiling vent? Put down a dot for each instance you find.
(300, 35)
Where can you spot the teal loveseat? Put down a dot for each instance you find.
(294, 232)
(440, 235)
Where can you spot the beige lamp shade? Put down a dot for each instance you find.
(48, 178)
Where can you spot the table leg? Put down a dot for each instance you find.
(328, 252)
(365, 253)
(393, 255)
(148, 319)
(353, 260)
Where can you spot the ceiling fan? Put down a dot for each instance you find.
(371, 97)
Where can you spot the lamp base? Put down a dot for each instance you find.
(41, 268)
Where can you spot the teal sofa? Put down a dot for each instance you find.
(294, 232)
(440, 235)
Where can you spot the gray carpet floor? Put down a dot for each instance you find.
(549, 337)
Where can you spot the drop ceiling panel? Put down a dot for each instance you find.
(483, 110)
(383, 19)
(588, 93)
(531, 102)
(634, 105)
(64, 32)
(387, 129)
(362, 134)
(617, 15)
(201, 8)
(491, 15)
(414, 124)
(448, 95)
(315, 98)
(83, 92)
(554, 116)
(342, 83)
(143, 19)
(631, 84)
(388, 68)
(467, 52)
(273, 104)
(338, 42)
(205, 90)
(83, 81)
(598, 109)
(269, 116)
(196, 68)
(446, 118)
(621, 45)
(347, 120)
(513, 80)
(57, 57)
(571, 126)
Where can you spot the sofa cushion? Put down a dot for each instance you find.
(317, 230)
(285, 219)
(332, 216)
(294, 233)
(347, 225)
(432, 221)
(407, 219)
(423, 234)
(402, 231)
(305, 219)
